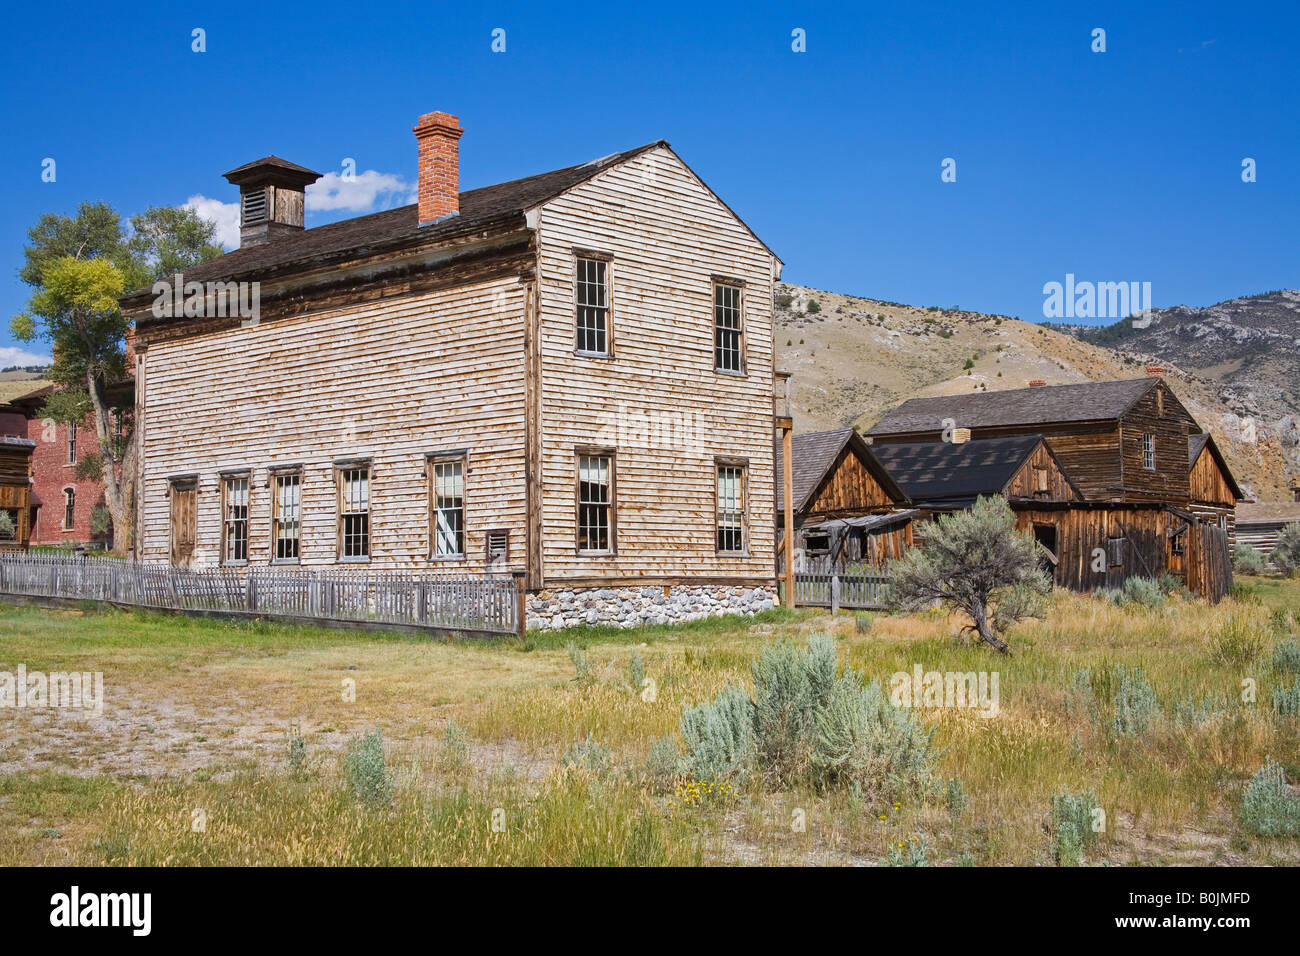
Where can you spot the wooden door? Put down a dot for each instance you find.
(184, 495)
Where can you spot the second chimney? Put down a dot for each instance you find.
(1155, 371)
(1037, 383)
(437, 135)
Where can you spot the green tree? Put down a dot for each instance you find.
(78, 268)
(974, 561)
(1286, 552)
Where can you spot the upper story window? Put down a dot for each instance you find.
(728, 331)
(286, 515)
(1149, 451)
(731, 508)
(72, 444)
(354, 512)
(593, 306)
(448, 518)
(234, 524)
(595, 503)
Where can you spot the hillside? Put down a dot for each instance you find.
(856, 357)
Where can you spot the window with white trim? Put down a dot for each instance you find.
(593, 306)
(448, 477)
(234, 519)
(286, 515)
(595, 503)
(354, 512)
(731, 509)
(728, 331)
(1149, 451)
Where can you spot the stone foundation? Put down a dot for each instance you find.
(557, 609)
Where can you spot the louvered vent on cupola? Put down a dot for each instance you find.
(272, 198)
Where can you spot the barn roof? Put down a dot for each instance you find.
(811, 458)
(1268, 512)
(1045, 404)
(1197, 444)
(955, 473)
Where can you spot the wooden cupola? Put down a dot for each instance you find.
(271, 198)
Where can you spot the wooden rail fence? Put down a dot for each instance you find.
(866, 590)
(439, 601)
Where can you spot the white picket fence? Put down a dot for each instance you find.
(436, 600)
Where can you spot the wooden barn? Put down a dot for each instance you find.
(847, 509)
(1125, 448)
(1214, 493)
(568, 377)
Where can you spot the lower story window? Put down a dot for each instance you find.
(354, 512)
(69, 508)
(286, 516)
(595, 503)
(449, 507)
(234, 528)
(731, 508)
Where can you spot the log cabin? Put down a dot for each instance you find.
(1260, 522)
(567, 377)
(846, 508)
(1125, 447)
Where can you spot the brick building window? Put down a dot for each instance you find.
(234, 520)
(595, 504)
(593, 306)
(72, 444)
(1149, 451)
(731, 508)
(728, 334)
(286, 515)
(354, 513)
(69, 508)
(448, 493)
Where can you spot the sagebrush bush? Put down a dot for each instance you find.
(1286, 552)
(1268, 807)
(589, 755)
(1247, 560)
(1189, 711)
(663, 764)
(365, 771)
(636, 670)
(453, 755)
(864, 623)
(1286, 657)
(789, 686)
(581, 669)
(1072, 824)
(719, 736)
(910, 852)
(297, 752)
(1286, 700)
(1141, 591)
(955, 792)
(1135, 702)
(863, 741)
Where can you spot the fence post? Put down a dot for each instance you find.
(521, 605)
(835, 592)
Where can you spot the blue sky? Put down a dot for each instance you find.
(1115, 166)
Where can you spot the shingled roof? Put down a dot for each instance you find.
(1197, 444)
(1083, 402)
(489, 210)
(811, 458)
(954, 474)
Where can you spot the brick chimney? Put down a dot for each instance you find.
(272, 198)
(437, 135)
(1155, 371)
(1037, 383)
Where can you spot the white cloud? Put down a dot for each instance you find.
(225, 215)
(362, 192)
(9, 356)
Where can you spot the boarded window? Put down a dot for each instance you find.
(593, 306)
(69, 508)
(1115, 548)
(498, 546)
(1149, 451)
(234, 522)
(595, 503)
(354, 512)
(728, 336)
(731, 508)
(1040, 480)
(448, 518)
(184, 494)
(286, 515)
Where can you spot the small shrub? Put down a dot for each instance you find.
(719, 736)
(1244, 592)
(789, 686)
(453, 756)
(1268, 807)
(296, 756)
(784, 300)
(957, 799)
(1286, 657)
(1286, 552)
(662, 764)
(581, 668)
(814, 306)
(1286, 700)
(589, 755)
(864, 622)
(364, 769)
(1072, 825)
(1240, 641)
(1135, 702)
(1017, 603)
(1247, 560)
(1190, 712)
(1142, 591)
(636, 670)
(911, 852)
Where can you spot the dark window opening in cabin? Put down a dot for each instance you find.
(731, 508)
(234, 523)
(1045, 535)
(497, 543)
(595, 482)
(449, 508)
(818, 543)
(593, 307)
(69, 508)
(287, 516)
(1178, 543)
(1149, 451)
(72, 444)
(728, 335)
(1115, 548)
(354, 513)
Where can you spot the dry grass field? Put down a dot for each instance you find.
(226, 743)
